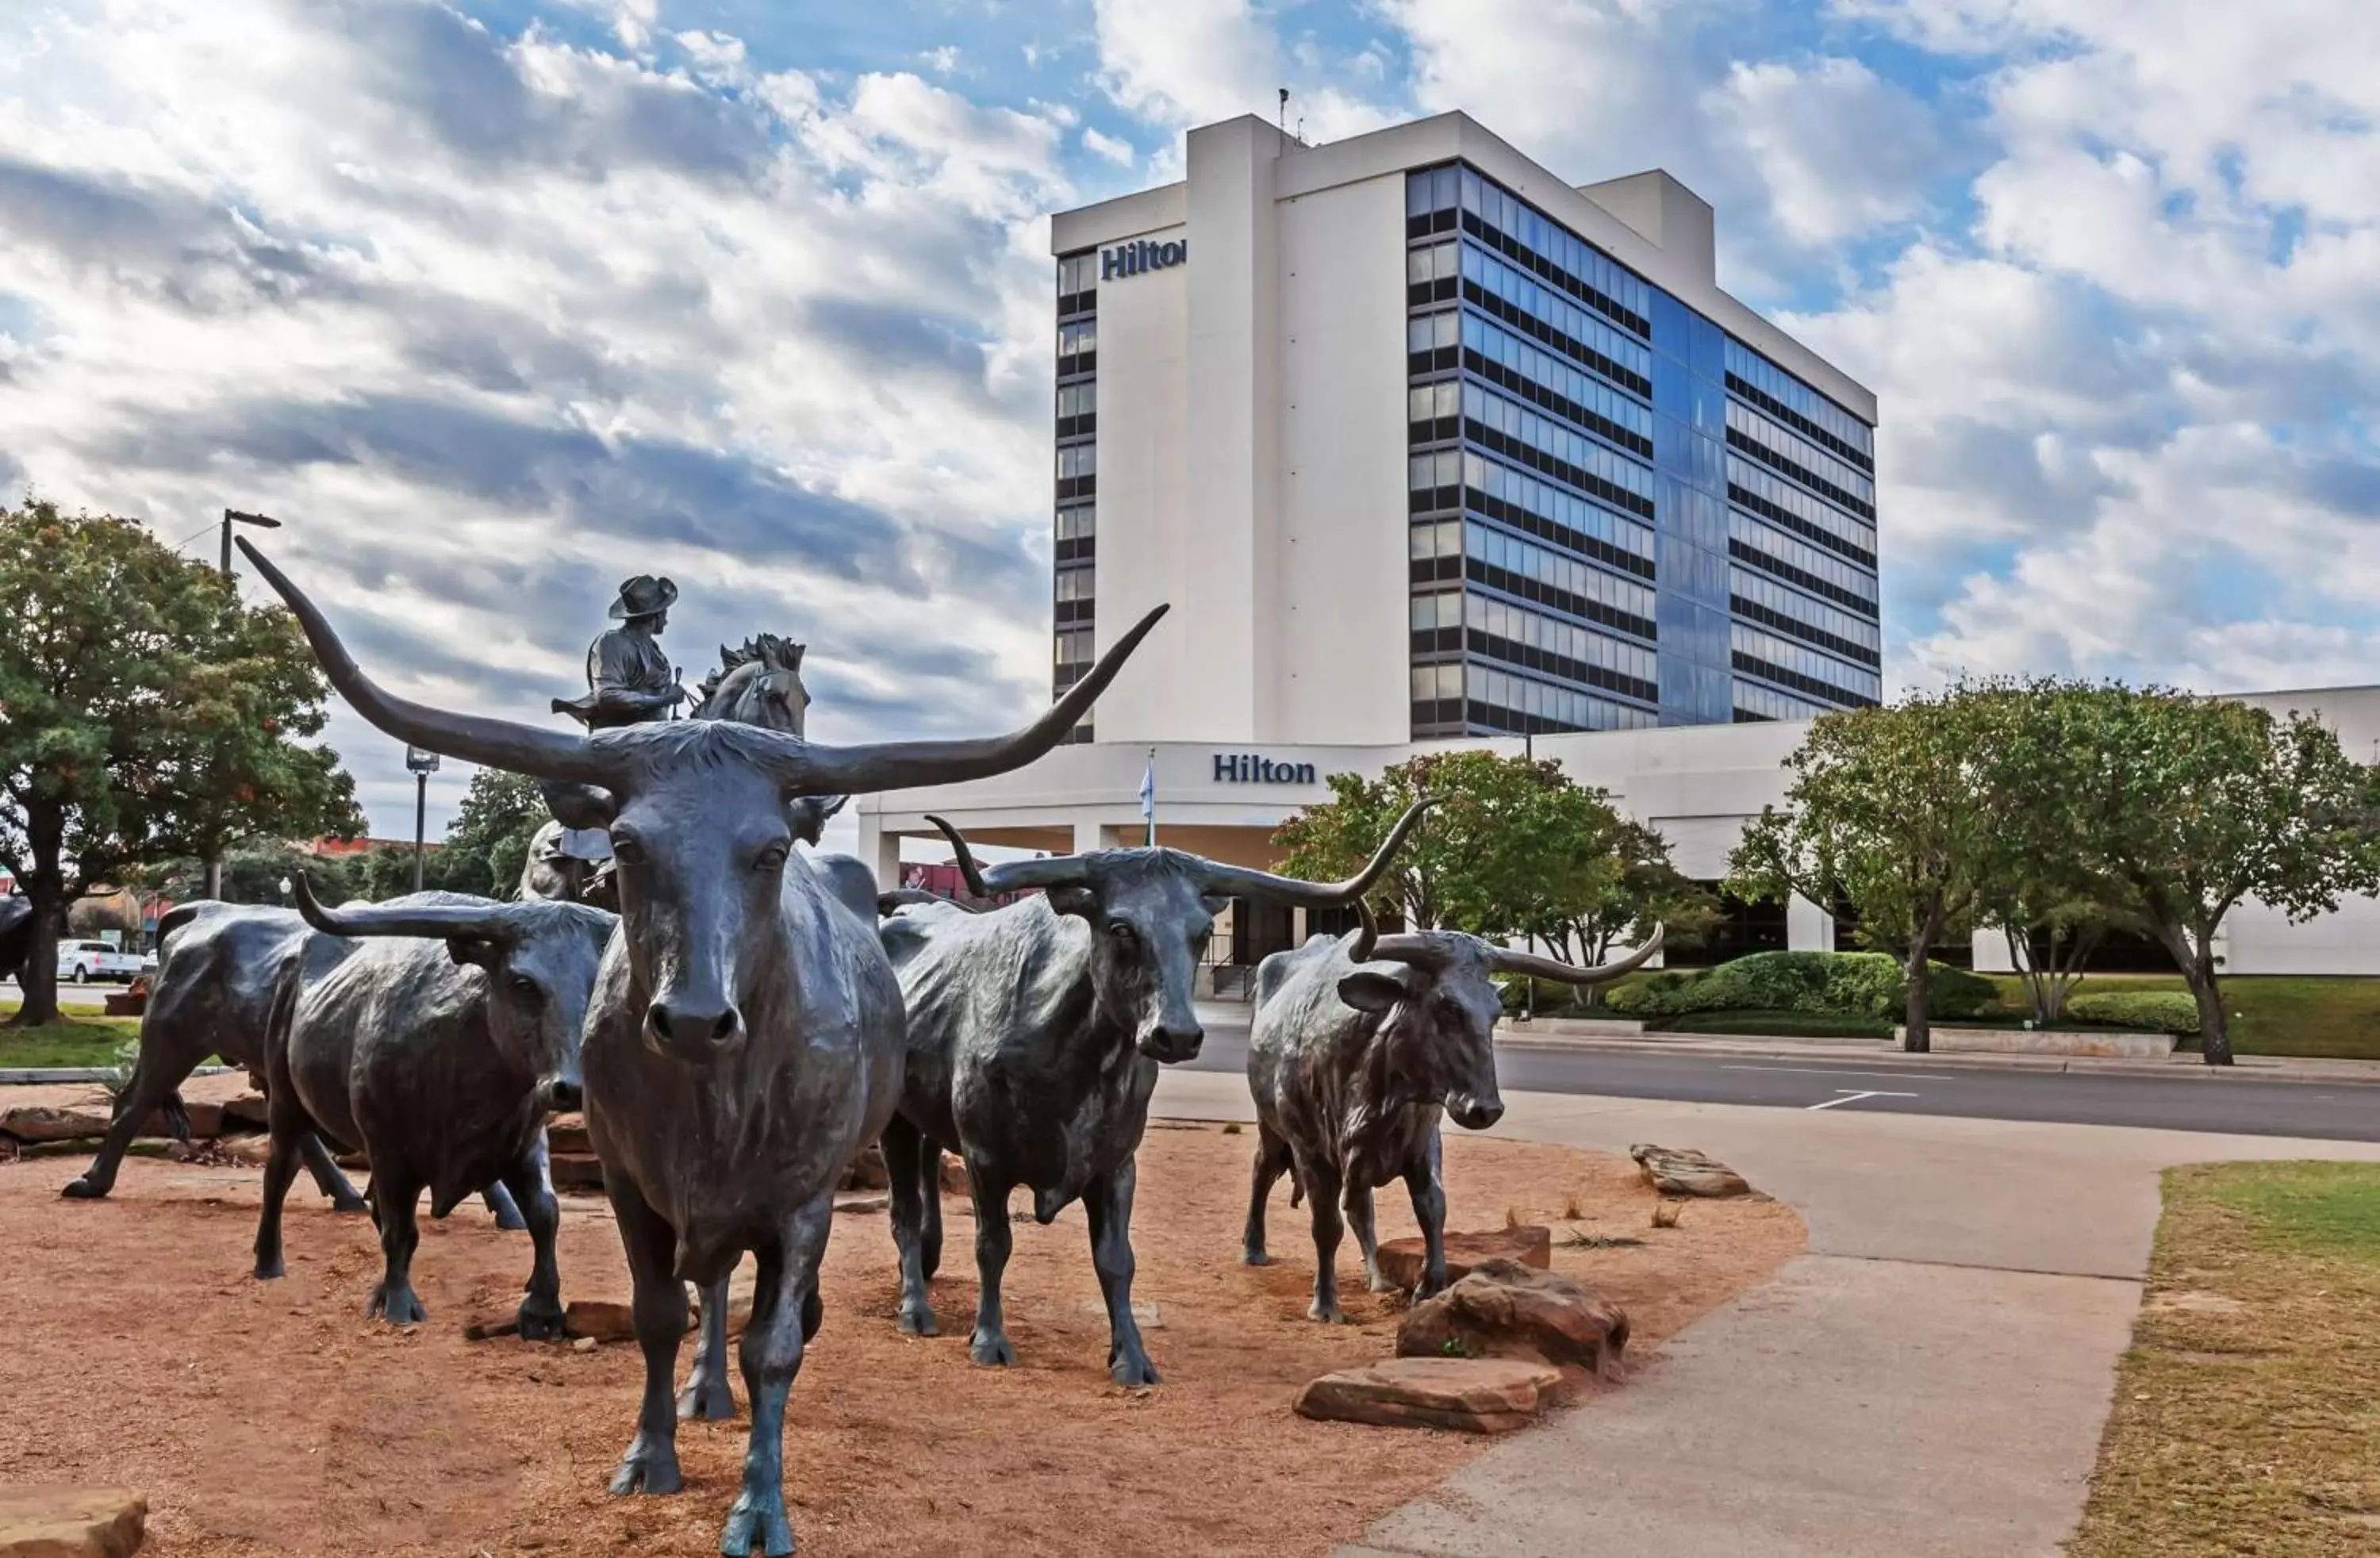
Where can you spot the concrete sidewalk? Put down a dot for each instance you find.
(1931, 1376)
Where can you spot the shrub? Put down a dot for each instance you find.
(2159, 1011)
(1859, 984)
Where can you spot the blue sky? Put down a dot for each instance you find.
(498, 302)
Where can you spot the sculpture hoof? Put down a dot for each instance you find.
(399, 1307)
(706, 1399)
(758, 1526)
(349, 1204)
(82, 1191)
(1255, 1258)
(540, 1322)
(1326, 1314)
(647, 1471)
(1135, 1373)
(920, 1322)
(1380, 1283)
(267, 1270)
(994, 1352)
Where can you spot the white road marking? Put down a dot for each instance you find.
(1854, 1097)
(1844, 1071)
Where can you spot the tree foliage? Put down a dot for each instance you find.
(144, 714)
(2185, 806)
(1885, 807)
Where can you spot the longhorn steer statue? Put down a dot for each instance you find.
(437, 1046)
(1036, 1032)
(221, 971)
(1359, 1043)
(745, 1037)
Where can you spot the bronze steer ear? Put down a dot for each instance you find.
(479, 950)
(578, 806)
(1369, 990)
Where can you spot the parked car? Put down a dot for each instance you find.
(83, 962)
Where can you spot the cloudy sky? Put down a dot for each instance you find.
(495, 301)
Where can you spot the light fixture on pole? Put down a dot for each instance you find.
(421, 764)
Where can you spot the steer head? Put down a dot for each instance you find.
(540, 959)
(1438, 1009)
(698, 813)
(1151, 912)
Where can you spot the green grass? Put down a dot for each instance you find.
(2243, 1419)
(2271, 1014)
(83, 1041)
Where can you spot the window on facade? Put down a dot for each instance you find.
(1074, 647)
(1077, 273)
(1074, 584)
(1075, 339)
(1077, 522)
(1074, 400)
(1077, 459)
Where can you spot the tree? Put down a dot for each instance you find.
(498, 816)
(1886, 808)
(1475, 864)
(1615, 894)
(2187, 806)
(144, 714)
(2038, 893)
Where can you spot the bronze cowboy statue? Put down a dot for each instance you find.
(629, 681)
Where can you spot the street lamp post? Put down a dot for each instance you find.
(423, 765)
(232, 517)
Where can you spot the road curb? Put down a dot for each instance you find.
(2312, 1073)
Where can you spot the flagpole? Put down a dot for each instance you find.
(1149, 798)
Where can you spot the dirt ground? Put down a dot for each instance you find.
(273, 1419)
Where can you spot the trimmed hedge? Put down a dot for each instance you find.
(2159, 1011)
(1859, 984)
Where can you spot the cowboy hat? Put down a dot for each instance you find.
(644, 596)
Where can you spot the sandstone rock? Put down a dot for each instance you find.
(496, 1322)
(1506, 1309)
(1685, 1172)
(574, 1171)
(1471, 1394)
(1531, 1244)
(867, 1170)
(599, 1318)
(567, 1133)
(862, 1201)
(955, 1179)
(71, 1522)
(250, 1149)
(206, 1121)
(1144, 1312)
(248, 1111)
(35, 1122)
(584, 1345)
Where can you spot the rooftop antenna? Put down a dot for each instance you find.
(1281, 120)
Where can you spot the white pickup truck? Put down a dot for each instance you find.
(81, 962)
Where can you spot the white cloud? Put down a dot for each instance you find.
(1841, 152)
(1185, 62)
(1117, 152)
(492, 325)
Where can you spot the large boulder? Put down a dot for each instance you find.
(248, 1112)
(567, 1133)
(867, 1170)
(35, 1122)
(1531, 1244)
(574, 1171)
(1685, 1172)
(1505, 1309)
(1468, 1394)
(71, 1522)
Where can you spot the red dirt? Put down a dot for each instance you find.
(273, 1419)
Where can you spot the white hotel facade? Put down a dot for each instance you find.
(1427, 449)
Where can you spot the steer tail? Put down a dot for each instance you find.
(1296, 1190)
(177, 1117)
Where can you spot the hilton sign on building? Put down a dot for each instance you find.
(1428, 448)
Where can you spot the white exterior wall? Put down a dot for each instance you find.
(1145, 529)
(1339, 670)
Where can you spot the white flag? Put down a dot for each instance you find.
(1148, 790)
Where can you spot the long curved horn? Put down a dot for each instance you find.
(1530, 965)
(517, 749)
(437, 920)
(1245, 882)
(809, 768)
(1009, 876)
(1373, 947)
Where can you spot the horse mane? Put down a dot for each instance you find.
(769, 650)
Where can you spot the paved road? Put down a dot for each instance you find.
(2344, 1112)
(91, 995)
